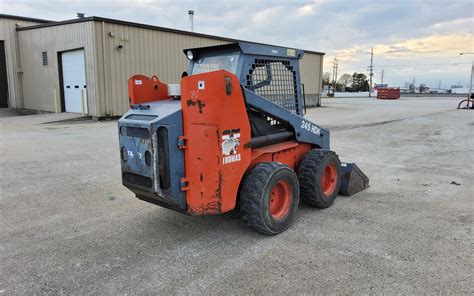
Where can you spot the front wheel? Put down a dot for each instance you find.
(319, 175)
(269, 198)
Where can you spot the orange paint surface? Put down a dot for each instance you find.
(142, 89)
(289, 153)
(217, 136)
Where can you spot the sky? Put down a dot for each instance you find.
(412, 39)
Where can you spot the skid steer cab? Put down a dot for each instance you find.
(231, 135)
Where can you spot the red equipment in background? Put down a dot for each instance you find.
(388, 93)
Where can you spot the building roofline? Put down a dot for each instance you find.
(152, 27)
(24, 18)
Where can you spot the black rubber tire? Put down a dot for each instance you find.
(310, 171)
(255, 193)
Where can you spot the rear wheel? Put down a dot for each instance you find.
(319, 175)
(269, 198)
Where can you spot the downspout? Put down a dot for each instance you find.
(104, 66)
(19, 73)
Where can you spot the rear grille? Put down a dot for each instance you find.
(137, 179)
(141, 117)
(138, 132)
(163, 157)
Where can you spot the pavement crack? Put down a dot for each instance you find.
(348, 127)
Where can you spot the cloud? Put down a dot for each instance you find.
(431, 58)
(416, 48)
(436, 45)
(456, 24)
(309, 9)
(305, 10)
(266, 16)
(415, 31)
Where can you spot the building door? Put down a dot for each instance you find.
(74, 81)
(3, 77)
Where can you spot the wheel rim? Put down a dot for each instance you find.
(280, 199)
(329, 179)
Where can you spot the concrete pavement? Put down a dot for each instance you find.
(67, 225)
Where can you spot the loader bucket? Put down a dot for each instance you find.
(353, 179)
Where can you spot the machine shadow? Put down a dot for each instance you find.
(186, 227)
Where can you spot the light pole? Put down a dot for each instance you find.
(470, 81)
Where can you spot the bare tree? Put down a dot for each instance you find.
(326, 78)
(345, 80)
(422, 88)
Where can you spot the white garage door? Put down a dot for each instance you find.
(74, 79)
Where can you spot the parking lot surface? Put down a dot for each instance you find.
(67, 225)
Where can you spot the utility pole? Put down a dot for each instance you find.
(381, 82)
(334, 73)
(371, 70)
(333, 70)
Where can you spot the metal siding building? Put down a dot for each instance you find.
(145, 51)
(41, 81)
(8, 35)
(311, 67)
(114, 51)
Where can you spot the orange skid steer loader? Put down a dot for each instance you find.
(231, 135)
